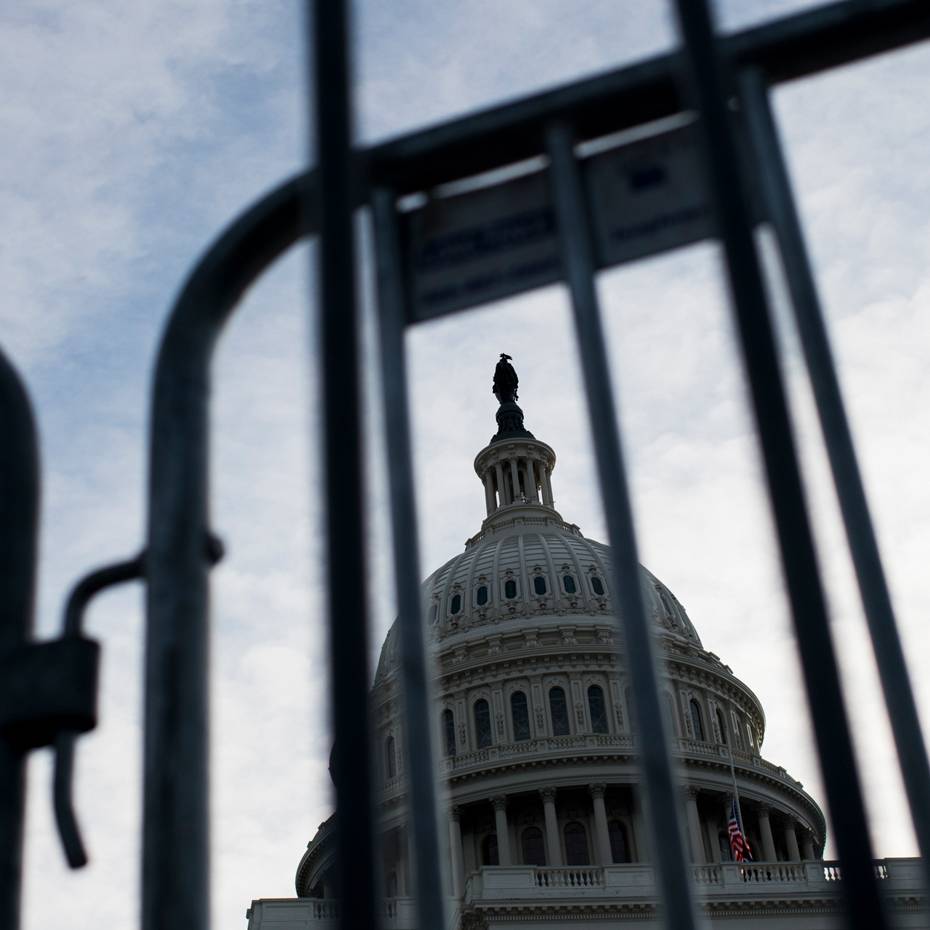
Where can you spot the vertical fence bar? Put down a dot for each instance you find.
(175, 840)
(662, 799)
(344, 480)
(860, 532)
(415, 676)
(19, 516)
(750, 306)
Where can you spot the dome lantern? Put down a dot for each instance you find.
(515, 467)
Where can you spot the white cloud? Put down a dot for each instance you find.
(132, 134)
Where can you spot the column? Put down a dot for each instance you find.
(489, 499)
(546, 486)
(515, 477)
(640, 838)
(503, 832)
(455, 847)
(807, 845)
(553, 846)
(405, 862)
(601, 832)
(501, 487)
(765, 829)
(694, 826)
(530, 480)
(712, 828)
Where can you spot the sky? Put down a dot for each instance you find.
(132, 133)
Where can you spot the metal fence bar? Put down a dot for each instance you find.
(662, 799)
(19, 516)
(419, 726)
(357, 880)
(860, 533)
(773, 423)
(788, 48)
(175, 871)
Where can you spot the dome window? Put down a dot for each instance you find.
(568, 583)
(721, 725)
(597, 709)
(539, 584)
(697, 720)
(455, 605)
(448, 732)
(576, 844)
(533, 846)
(520, 714)
(434, 612)
(390, 758)
(597, 586)
(510, 589)
(558, 710)
(482, 724)
(481, 597)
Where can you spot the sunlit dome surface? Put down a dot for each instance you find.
(533, 565)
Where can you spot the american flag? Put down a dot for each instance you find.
(739, 845)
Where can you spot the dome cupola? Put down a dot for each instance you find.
(515, 467)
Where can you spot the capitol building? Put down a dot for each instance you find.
(538, 750)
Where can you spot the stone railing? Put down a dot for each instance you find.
(637, 881)
(555, 746)
(545, 745)
(571, 877)
(724, 882)
(322, 914)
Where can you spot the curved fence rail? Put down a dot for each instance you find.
(544, 128)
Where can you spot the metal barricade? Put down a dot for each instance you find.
(547, 128)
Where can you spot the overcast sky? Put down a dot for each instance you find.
(131, 133)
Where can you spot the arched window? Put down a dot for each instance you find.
(482, 723)
(539, 584)
(481, 598)
(576, 844)
(489, 850)
(722, 726)
(619, 842)
(455, 605)
(568, 583)
(510, 589)
(558, 709)
(597, 709)
(448, 732)
(597, 586)
(697, 720)
(737, 734)
(390, 758)
(434, 612)
(752, 737)
(533, 846)
(520, 714)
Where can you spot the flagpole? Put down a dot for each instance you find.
(739, 810)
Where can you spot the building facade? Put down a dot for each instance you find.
(539, 752)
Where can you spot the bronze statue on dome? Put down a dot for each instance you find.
(505, 381)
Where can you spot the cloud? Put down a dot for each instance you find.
(133, 134)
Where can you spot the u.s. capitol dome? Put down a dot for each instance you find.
(538, 748)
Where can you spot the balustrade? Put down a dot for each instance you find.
(583, 877)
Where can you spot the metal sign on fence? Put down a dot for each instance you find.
(645, 197)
